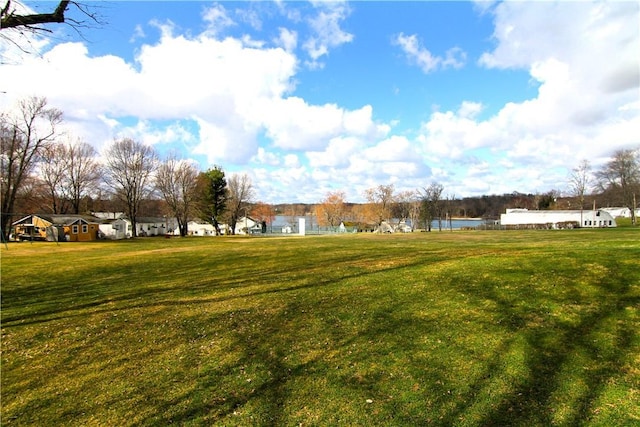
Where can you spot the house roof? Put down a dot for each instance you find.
(28, 220)
(151, 220)
(57, 219)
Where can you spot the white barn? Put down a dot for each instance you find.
(621, 212)
(524, 218)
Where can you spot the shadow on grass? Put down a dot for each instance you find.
(324, 340)
(567, 364)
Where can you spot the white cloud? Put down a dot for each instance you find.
(337, 153)
(326, 31)
(287, 39)
(217, 19)
(264, 157)
(138, 33)
(393, 149)
(294, 124)
(291, 161)
(410, 45)
(227, 142)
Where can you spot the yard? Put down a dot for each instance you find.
(461, 328)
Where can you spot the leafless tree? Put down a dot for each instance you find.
(240, 195)
(380, 199)
(53, 173)
(580, 182)
(83, 172)
(432, 204)
(448, 210)
(129, 169)
(414, 209)
(406, 207)
(177, 180)
(24, 136)
(622, 175)
(69, 172)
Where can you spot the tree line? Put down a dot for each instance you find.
(45, 170)
(39, 163)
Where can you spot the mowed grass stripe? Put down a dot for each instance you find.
(450, 328)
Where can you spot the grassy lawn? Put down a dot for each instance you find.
(453, 328)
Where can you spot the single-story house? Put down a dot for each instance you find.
(31, 227)
(81, 230)
(152, 226)
(199, 228)
(524, 218)
(73, 228)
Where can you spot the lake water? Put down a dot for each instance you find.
(311, 223)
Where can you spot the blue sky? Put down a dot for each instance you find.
(311, 97)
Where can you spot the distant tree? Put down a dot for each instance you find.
(448, 208)
(579, 183)
(213, 196)
(53, 173)
(263, 212)
(380, 200)
(24, 135)
(331, 210)
(240, 194)
(432, 204)
(405, 207)
(544, 201)
(177, 181)
(84, 173)
(621, 174)
(129, 171)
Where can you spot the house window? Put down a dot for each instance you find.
(85, 228)
(74, 229)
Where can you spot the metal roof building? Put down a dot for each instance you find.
(524, 218)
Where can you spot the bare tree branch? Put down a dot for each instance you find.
(12, 20)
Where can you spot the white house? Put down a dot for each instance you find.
(197, 228)
(116, 229)
(524, 218)
(246, 225)
(151, 226)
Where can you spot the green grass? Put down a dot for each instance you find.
(454, 328)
